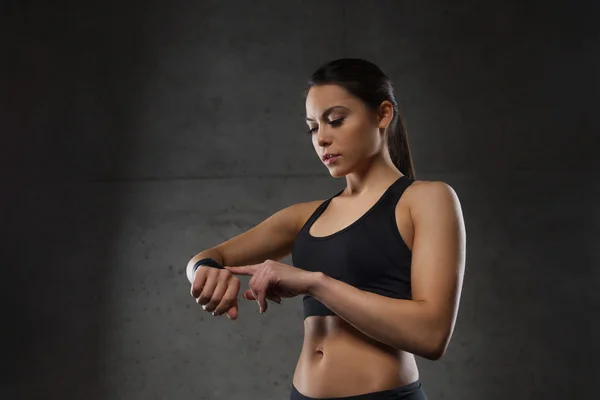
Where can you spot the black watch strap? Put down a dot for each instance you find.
(209, 262)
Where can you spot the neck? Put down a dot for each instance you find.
(378, 174)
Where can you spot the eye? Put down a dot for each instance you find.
(336, 123)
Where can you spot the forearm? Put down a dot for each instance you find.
(210, 253)
(403, 324)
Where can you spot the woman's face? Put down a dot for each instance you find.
(341, 124)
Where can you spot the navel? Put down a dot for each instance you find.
(319, 352)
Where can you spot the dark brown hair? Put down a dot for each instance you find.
(367, 82)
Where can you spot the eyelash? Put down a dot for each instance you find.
(336, 123)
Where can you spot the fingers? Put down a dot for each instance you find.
(243, 270)
(229, 297)
(199, 280)
(262, 301)
(207, 291)
(216, 288)
(254, 291)
(217, 296)
(273, 296)
(232, 313)
(261, 289)
(259, 285)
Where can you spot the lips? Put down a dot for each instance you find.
(327, 156)
(327, 160)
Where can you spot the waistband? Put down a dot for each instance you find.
(411, 391)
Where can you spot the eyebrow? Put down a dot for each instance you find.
(328, 111)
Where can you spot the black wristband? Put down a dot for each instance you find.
(207, 262)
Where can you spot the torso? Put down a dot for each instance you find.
(337, 359)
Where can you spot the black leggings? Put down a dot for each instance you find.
(412, 391)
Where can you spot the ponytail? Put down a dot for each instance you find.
(399, 147)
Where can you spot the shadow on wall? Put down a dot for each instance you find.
(69, 117)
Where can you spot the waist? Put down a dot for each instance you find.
(338, 360)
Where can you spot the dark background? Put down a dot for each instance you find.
(136, 134)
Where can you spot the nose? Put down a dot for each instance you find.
(323, 140)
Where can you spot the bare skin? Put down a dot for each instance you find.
(338, 358)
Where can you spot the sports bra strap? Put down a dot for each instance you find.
(317, 213)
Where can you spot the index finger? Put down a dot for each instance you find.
(243, 270)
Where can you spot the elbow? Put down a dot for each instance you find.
(432, 353)
(435, 353)
(435, 348)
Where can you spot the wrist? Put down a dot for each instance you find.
(211, 253)
(190, 272)
(316, 281)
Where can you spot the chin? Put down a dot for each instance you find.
(337, 172)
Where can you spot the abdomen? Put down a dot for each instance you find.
(338, 360)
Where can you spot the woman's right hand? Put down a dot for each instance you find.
(216, 290)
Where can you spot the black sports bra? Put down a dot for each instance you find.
(369, 254)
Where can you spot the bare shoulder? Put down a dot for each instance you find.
(425, 205)
(423, 196)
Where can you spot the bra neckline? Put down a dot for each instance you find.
(363, 216)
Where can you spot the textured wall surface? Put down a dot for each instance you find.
(138, 134)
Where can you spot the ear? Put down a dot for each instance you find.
(385, 114)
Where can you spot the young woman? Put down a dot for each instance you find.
(380, 264)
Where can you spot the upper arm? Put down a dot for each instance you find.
(438, 253)
(271, 239)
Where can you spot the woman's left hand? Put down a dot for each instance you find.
(272, 279)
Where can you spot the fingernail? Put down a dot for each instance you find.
(204, 307)
(214, 313)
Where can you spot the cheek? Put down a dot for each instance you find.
(363, 138)
(355, 134)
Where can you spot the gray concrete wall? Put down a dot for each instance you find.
(137, 134)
